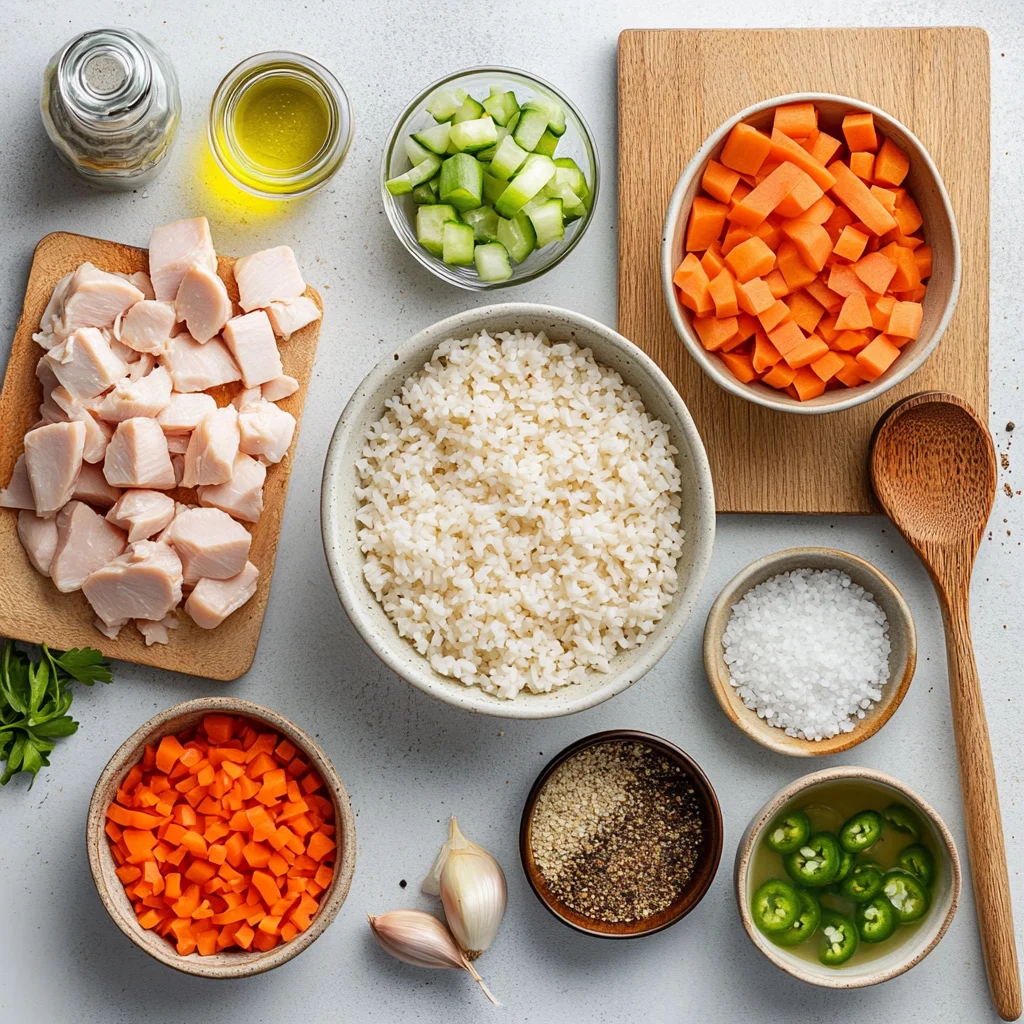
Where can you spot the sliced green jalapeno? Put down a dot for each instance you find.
(876, 919)
(861, 832)
(775, 906)
(907, 894)
(917, 859)
(863, 883)
(903, 819)
(806, 923)
(838, 940)
(788, 832)
(845, 866)
(815, 863)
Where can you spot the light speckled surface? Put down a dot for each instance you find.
(407, 760)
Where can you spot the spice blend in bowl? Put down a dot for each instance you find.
(621, 835)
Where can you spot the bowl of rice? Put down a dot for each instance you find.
(517, 511)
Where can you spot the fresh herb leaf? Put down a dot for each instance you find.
(82, 663)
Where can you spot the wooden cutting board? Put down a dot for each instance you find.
(31, 608)
(675, 88)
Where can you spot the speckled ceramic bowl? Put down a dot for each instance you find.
(899, 956)
(339, 506)
(234, 963)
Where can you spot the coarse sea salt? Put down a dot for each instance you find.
(808, 650)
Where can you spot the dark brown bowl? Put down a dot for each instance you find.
(707, 859)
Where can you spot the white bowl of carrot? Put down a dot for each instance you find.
(810, 257)
(220, 838)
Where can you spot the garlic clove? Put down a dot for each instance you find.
(420, 939)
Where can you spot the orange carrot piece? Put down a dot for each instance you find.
(767, 196)
(750, 259)
(855, 315)
(807, 384)
(849, 341)
(786, 337)
(805, 310)
(740, 366)
(908, 216)
(819, 211)
(695, 294)
(812, 243)
(904, 321)
(850, 374)
(754, 296)
(168, 753)
(773, 316)
(786, 150)
(843, 281)
(707, 218)
(711, 261)
(907, 273)
(823, 147)
(851, 244)
(733, 236)
(266, 886)
(852, 192)
(859, 132)
(821, 292)
(891, 164)
(714, 333)
(685, 269)
(777, 284)
(877, 357)
(797, 120)
(923, 258)
(745, 149)
(769, 231)
(791, 264)
(319, 846)
(780, 376)
(827, 327)
(863, 165)
(885, 196)
(810, 350)
(876, 270)
(719, 182)
(828, 365)
(723, 293)
(804, 194)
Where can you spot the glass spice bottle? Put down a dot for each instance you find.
(111, 106)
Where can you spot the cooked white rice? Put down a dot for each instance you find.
(520, 513)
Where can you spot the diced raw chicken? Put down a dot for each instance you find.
(242, 495)
(148, 326)
(288, 317)
(212, 601)
(174, 248)
(53, 458)
(184, 412)
(47, 378)
(209, 543)
(266, 430)
(49, 322)
(85, 364)
(280, 387)
(143, 583)
(271, 275)
(123, 352)
(196, 367)
(142, 366)
(179, 509)
(50, 411)
(141, 281)
(246, 397)
(85, 541)
(251, 341)
(177, 444)
(202, 302)
(89, 298)
(156, 632)
(147, 396)
(109, 631)
(137, 456)
(212, 448)
(142, 513)
(97, 433)
(38, 537)
(18, 492)
(93, 489)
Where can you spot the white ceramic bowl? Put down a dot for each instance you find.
(899, 956)
(925, 185)
(339, 506)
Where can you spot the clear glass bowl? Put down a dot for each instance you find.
(577, 142)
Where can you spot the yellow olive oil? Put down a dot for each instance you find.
(828, 806)
(281, 122)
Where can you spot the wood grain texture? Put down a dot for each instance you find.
(933, 467)
(675, 88)
(31, 608)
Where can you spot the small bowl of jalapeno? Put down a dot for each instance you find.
(846, 878)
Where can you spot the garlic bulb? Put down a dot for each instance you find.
(472, 888)
(421, 939)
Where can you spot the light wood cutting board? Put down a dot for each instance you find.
(675, 88)
(31, 608)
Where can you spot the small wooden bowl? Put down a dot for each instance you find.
(919, 941)
(902, 660)
(229, 963)
(707, 861)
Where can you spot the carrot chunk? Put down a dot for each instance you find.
(905, 319)
(808, 351)
(767, 195)
(855, 315)
(785, 149)
(828, 365)
(745, 149)
(877, 357)
(859, 132)
(707, 218)
(891, 164)
(719, 182)
(797, 120)
(168, 753)
(750, 259)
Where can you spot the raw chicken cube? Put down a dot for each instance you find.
(174, 248)
(85, 364)
(85, 541)
(288, 317)
(202, 302)
(252, 343)
(90, 298)
(196, 367)
(53, 459)
(209, 543)
(143, 583)
(142, 513)
(177, 444)
(212, 448)
(280, 387)
(156, 632)
(97, 433)
(184, 412)
(242, 495)
(137, 456)
(49, 323)
(38, 537)
(141, 281)
(271, 275)
(18, 492)
(143, 365)
(147, 396)
(266, 430)
(148, 326)
(93, 489)
(212, 601)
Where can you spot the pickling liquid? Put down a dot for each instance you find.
(281, 123)
(828, 807)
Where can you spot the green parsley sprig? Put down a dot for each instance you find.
(35, 697)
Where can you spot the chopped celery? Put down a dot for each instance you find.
(546, 218)
(416, 151)
(425, 193)
(507, 159)
(547, 144)
(552, 111)
(531, 127)
(493, 187)
(469, 111)
(536, 172)
(462, 180)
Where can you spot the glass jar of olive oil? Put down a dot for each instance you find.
(280, 125)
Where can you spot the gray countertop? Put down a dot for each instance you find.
(407, 760)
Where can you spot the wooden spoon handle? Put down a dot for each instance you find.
(981, 810)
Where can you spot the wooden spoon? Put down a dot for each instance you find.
(933, 467)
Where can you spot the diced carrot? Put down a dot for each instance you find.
(849, 341)
(733, 236)
(807, 384)
(805, 310)
(823, 147)
(850, 374)
(319, 846)
(219, 728)
(905, 320)
(767, 196)
(786, 337)
(801, 198)
(139, 841)
(750, 259)
(855, 315)
(745, 149)
(695, 294)
(828, 365)
(885, 196)
(819, 211)
(719, 182)
(773, 316)
(192, 756)
(740, 192)
(266, 886)
(791, 264)
(812, 243)
(843, 281)
(907, 273)
(777, 284)
(244, 937)
(923, 258)
(827, 327)
(780, 376)
(808, 351)
(877, 357)
(863, 165)
(200, 871)
(707, 218)
(797, 120)
(714, 333)
(723, 292)
(876, 270)
(754, 296)
(685, 269)
(821, 292)
(711, 261)
(746, 327)
(859, 132)
(891, 164)
(741, 367)
(769, 231)
(908, 216)
(851, 191)
(784, 149)
(168, 752)
(128, 873)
